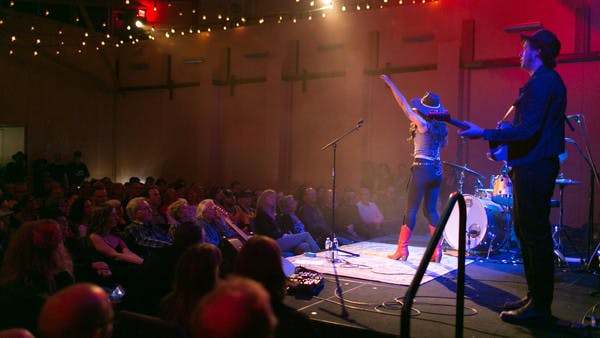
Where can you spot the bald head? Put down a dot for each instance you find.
(80, 310)
(238, 308)
(16, 333)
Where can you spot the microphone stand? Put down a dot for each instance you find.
(333, 145)
(594, 178)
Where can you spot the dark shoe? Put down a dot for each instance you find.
(516, 304)
(527, 315)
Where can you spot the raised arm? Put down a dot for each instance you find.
(403, 103)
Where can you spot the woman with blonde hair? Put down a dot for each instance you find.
(266, 224)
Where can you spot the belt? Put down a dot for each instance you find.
(427, 163)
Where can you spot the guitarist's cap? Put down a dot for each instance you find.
(547, 42)
(429, 103)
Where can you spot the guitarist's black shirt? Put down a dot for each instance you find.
(537, 131)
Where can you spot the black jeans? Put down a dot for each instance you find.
(424, 186)
(533, 185)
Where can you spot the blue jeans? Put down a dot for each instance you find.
(424, 185)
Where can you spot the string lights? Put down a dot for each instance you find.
(37, 37)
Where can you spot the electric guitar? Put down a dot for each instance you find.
(443, 115)
(224, 215)
(498, 151)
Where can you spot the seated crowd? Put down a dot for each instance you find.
(98, 247)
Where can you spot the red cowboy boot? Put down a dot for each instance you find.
(437, 253)
(402, 250)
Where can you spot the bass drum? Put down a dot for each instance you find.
(488, 226)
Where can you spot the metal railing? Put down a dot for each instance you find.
(460, 280)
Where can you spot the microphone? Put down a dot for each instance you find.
(575, 117)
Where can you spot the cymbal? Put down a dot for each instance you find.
(566, 181)
(460, 167)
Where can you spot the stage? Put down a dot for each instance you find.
(373, 309)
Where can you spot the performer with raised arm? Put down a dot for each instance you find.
(534, 141)
(428, 137)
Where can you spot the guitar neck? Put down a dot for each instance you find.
(444, 116)
(224, 215)
(458, 124)
(244, 236)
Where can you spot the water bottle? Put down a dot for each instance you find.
(334, 247)
(328, 244)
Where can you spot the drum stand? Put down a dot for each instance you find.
(558, 228)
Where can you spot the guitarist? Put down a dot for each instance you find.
(428, 137)
(534, 141)
(213, 224)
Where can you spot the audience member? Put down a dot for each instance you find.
(133, 189)
(235, 187)
(80, 216)
(77, 171)
(169, 196)
(312, 218)
(260, 260)
(237, 308)
(153, 197)
(140, 234)
(196, 275)
(265, 224)
(99, 194)
(214, 227)
(16, 333)
(347, 218)
(36, 264)
(245, 202)
(117, 191)
(104, 239)
(228, 202)
(180, 212)
(16, 170)
(119, 211)
(80, 310)
(370, 214)
(150, 182)
(156, 274)
(287, 214)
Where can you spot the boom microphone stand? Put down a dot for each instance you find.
(333, 145)
(594, 179)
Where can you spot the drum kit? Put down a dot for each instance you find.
(489, 214)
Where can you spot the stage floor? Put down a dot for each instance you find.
(373, 311)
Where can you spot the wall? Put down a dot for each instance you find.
(269, 133)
